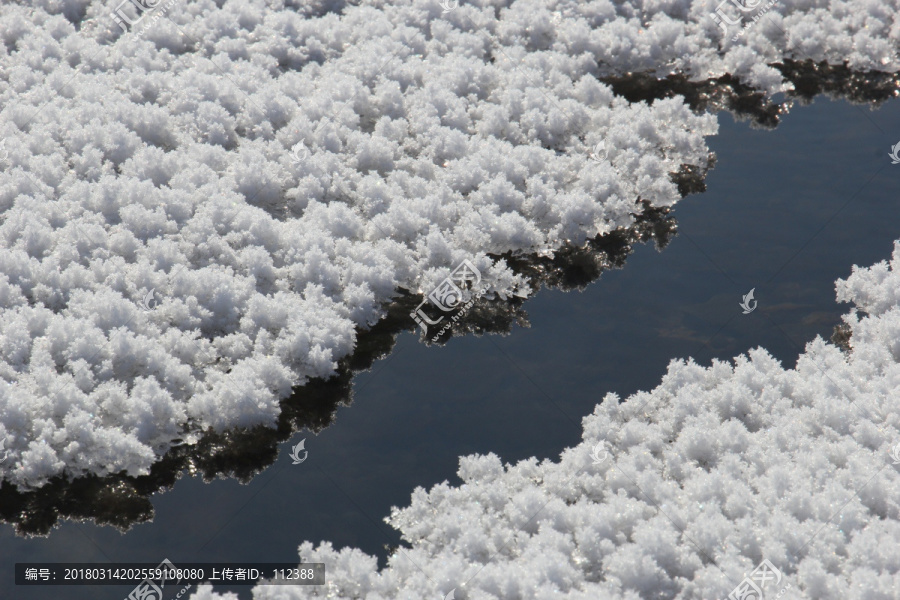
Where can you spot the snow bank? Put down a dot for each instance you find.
(198, 214)
(679, 492)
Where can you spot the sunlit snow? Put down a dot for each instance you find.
(678, 492)
(197, 216)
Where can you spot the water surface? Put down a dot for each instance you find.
(787, 211)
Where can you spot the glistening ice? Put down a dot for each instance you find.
(736, 463)
(194, 224)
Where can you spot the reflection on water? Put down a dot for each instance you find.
(121, 500)
(242, 454)
(728, 94)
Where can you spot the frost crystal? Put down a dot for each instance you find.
(709, 474)
(200, 214)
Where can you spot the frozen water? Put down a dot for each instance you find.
(678, 492)
(198, 215)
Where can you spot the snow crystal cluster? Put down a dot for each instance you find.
(201, 212)
(679, 492)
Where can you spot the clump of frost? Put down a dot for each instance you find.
(699, 480)
(186, 233)
(199, 217)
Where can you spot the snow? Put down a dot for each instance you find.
(200, 214)
(678, 492)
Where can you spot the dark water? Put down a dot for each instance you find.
(786, 212)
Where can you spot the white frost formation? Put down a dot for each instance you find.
(710, 473)
(199, 214)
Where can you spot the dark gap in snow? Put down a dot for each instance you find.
(241, 453)
(729, 93)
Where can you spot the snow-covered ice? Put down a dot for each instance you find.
(200, 214)
(690, 487)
